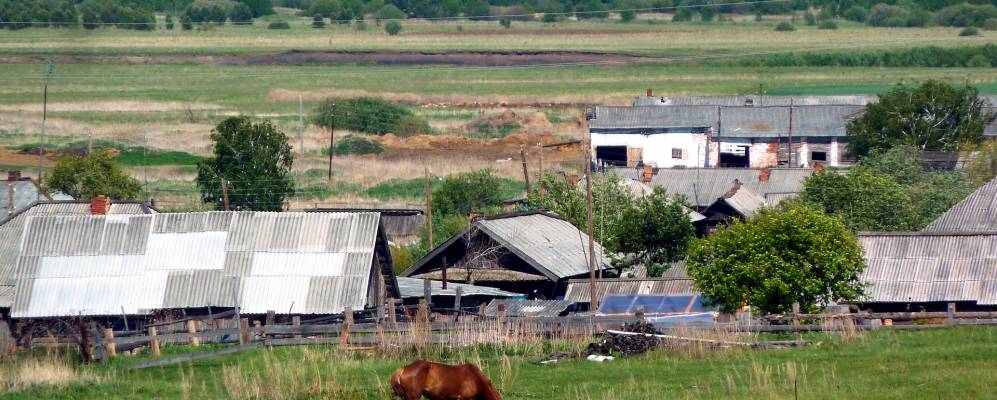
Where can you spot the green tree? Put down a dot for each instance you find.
(791, 254)
(655, 230)
(370, 115)
(186, 23)
(393, 28)
(609, 200)
(259, 8)
(240, 14)
(592, 9)
(864, 200)
(326, 8)
(476, 9)
(389, 12)
(983, 168)
(255, 159)
(90, 176)
(169, 22)
(932, 192)
(934, 116)
(627, 16)
(318, 22)
(467, 192)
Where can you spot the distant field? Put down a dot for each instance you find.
(946, 363)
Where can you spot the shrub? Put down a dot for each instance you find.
(969, 31)
(411, 125)
(978, 61)
(856, 13)
(365, 114)
(628, 15)
(361, 25)
(893, 22)
(549, 18)
(279, 25)
(356, 145)
(186, 23)
(966, 14)
(592, 9)
(393, 28)
(827, 24)
(810, 19)
(169, 22)
(888, 15)
(990, 24)
(389, 11)
(683, 15)
(707, 14)
(785, 26)
(241, 14)
(506, 22)
(318, 22)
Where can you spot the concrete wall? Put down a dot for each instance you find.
(657, 148)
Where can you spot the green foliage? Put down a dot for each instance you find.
(654, 229)
(356, 145)
(610, 199)
(169, 22)
(856, 13)
(931, 56)
(331, 9)
(255, 159)
(896, 16)
(933, 116)
(707, 14)
(389, 12)
(85, 177)
(461, 194)
(966, 14)
(983, 168)
(240, 14)
(403, 257)
(990, 24)
(97, 12)
(505, 22)
(782, 256)
(828, 24)
(258, 8)
(931, 192)
(279, 24)
(969, 31)
(216, 11)
(370, 115)
(785, 26)
(186, 23)
(476, 9)
(550, 18)
(810, 19)
(683, 15)
(318, 22)
(393, 28)
(591, 9)
(628, 16)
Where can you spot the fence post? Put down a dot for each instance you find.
(344, 335)
(427, 292)
(391, 314)
(192, 331)
(153, 343)
(456, 304)
(109, 343)
(244, 331)
(296, 321)
(271, 317)
(950, 311)
(796, 321)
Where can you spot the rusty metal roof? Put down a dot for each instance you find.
(977, 212)
(725, 121)
(702, 186)
(528, 308)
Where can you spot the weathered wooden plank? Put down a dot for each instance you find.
(180, 358)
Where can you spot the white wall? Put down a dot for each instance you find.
(657, 148)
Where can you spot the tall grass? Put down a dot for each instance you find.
(47, 370)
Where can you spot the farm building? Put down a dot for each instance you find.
(412, 290)
(401, 226)
(109, 265)
(701, 187)
(20, 192)
(533, 253)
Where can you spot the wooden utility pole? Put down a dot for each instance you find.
(332, 138)
(588, 200)
(89, 141)
(225, 193)
(540, 176)
(301, 126)
(526, 172)
(41, 142)
(790, 135)
(429, 209)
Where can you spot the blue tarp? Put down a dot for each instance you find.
(653, 304)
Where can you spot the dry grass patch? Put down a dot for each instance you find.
(111, 106)
(53, 371)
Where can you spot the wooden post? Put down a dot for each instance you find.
(153, 343)
(427, 291)
(244, 337)
(790, 134)
(588, 205)
(526, 172)
(796, 320)
(271, 317)
(950, 311)
(225, 194)
(444, 272)
(481, 310)
(429, 209)
(332, 138)
(10, 198)
(192, 331)
(344, 334)
(296, 321)
(456, 303)
(540, 176)
(109, 343)
(423, 314)
(391, 313)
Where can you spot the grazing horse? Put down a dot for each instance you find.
(442, 382)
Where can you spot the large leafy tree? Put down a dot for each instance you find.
(467, 192)
(90, 176)
(254, 159)
(786, 255)
(655, 229)
(934, 116)
(983, 168)
(609, 200)
(864, 200)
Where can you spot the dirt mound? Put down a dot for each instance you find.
(535, 123)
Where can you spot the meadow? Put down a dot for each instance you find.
(937, 363)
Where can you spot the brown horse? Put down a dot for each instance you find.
(442, 382)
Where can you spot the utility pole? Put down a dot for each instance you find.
(89, 141)
(790, 135)
(526, 172)
(540, 176)
(225, 193)
(332, 139)
(588, 200)
(41, 142)
(301, 126)
(429, 209)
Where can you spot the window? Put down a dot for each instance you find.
(677, 153)
(818, 156)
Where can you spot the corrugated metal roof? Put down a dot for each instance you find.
(315, 263)
(744, 201)
(926, 267)
(413, 288)
(977, 212)
(550, 244)
(761, 101)
(639, 189)
(702, 186)
(653, 117)
(737, 122)
(528, 308)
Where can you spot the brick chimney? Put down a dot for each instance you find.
(13, 175)
(650, 92)
(475, 215)
(763, 175)
(648, 174)
(100, 205)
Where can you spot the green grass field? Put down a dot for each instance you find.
(947, 363)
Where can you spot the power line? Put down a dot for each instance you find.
(453, 18)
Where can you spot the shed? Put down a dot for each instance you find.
(412, 290)
(529, 308)
(532, 252)
(297, 263)
(738, 203)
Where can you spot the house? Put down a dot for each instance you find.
(976, 213)
(412, 290)
(740, 203)
(701, 187)
(109, 265)
(533, 253)
(20, 192)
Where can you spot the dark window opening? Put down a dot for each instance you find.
(736, 160)
(612, 155)
(677, 153)
(818, 156)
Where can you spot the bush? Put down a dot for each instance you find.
(785, 26)
(279, 25)
(186, 23)
(389, 11)
(683, 15)
(888, 15)
(978, 61)
(550, 18)
(990, 24)
(966, 14)
(628, 15)
(827, 24)
(969, 31)
(356, 145)
(810, 19)
(463, 193)
(318, 22)
(856, 13)
(592, 9)
(707, 14)
(506, 22)
(241, 14)
(393, 28)
(169, 22)
(366, 114)
(411, 125)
